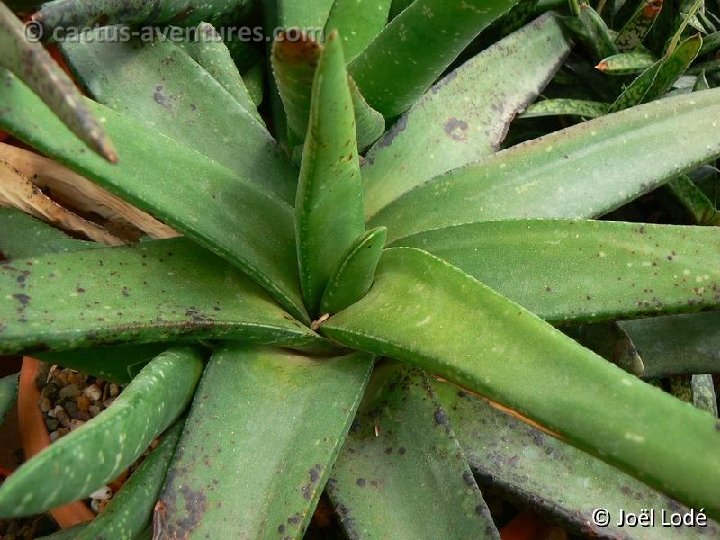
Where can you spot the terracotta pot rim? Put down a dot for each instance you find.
(35, 438)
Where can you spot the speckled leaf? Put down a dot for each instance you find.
(677, 344)
(703, 393)
(128, 513)
(567, 271)
(711, 43)
(209, 50)
(329, 206)
(693, 199)
(424, 311)
(118, 364)
(417, 43)
(157, 291)
(465, 116)
(111, 441)
(528, 465)
(71, 14)
(402, 454)
(306, 15)
(33, 64)
(659, 78)
(247, 226)
(687, 16)
(158, 84)
(262, 434)
(580, 172)
(626, 63)
(639, 24)
(24, 236)
(570, 107)
(294, 58)
(590, 29)
(354, 277)
(8, 393)
(357, 22)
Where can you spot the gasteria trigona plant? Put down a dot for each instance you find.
(311, 295)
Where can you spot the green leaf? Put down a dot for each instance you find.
(424, 311)
(8, 394)
(157, 291)
(24, 236)
(128, 513)
(570, 107)
(465, 116)
(687, 18)
(580, 172)
(611, 342)
(31, 62)
(694, 200)
(269, 424)
(677, 344)
(574, 271)
(639, 24)
(354, 277)
(626, 63)
(417, 43)
(529, 466)
(111, 441)
(595, 34)
(703, 393)
(72, 14)
(329, 206)
(306, 15)
(247, 226)
(158, 84)
(357, 22)
(209, 51)
(118, 364)
(659, 78)
(401, 440)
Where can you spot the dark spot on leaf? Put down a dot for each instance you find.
(24, 299)
(456, 129)
(360, 482)
(440, 417)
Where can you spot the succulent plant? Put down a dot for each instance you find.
(374, 314)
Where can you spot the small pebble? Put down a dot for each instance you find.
(71, 408)
(52, 424)
(53, 412)
(45, 404)
(94, 410)
(93, 392)
(114, 390)
(69, 392)
(74, 424)
(102, 494)
(54, 436)
(108, 402)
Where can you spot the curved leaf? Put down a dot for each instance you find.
(570, 107)
(626, 63)
(417, 42)
(258, 471)
(465, 116)
(639, 24)
(580, 172)
(158, 291)
(158, 84)
(111, 441)
(329, 206)
(424, 311)
(565, 271)
(32, 63)
(357, 22)
(401, 440)
(247, 226)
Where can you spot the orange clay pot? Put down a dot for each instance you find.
(35, 438)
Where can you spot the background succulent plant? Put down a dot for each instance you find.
(363, 321)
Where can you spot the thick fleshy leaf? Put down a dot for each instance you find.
(111, 441)
(23, 236)
(659, 78)
(424, 311)
(158, 84)
(259, 442)
(694, 200)
(329, 206)
(357, 22)
(627, 63)
(703, 393)
(401, 453)
(422, 42)
(209, 50)
(247, 226)
(590, 29)
(677, 344)
(72, 14)
(580, 172)
(33, 64)
(128, 513)
(639, 24)
(528, 465)
(355, 275)
(306, 15)
(157, 291)
(567, 271)
(570, 107)
(611, 342)
(8, 393)
(465, 116)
